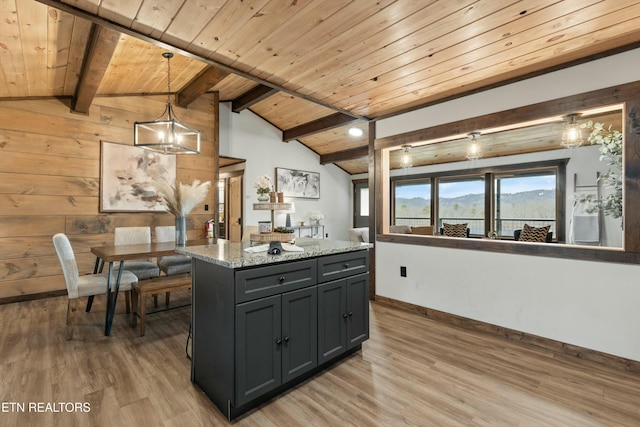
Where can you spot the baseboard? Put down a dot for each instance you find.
(556, 347)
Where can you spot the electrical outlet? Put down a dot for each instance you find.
(403, 271)
(206, 207)
(326, 236)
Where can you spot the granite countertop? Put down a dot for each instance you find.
(232, 254)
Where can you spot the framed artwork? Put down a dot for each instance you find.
(127, 176)
(297, 183)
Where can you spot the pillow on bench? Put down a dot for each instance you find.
(454, 230)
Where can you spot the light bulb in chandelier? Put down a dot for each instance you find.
(572, 134)
(475, 151)
(406, 160)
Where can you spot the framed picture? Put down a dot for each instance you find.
(127, 174)
(297, 183)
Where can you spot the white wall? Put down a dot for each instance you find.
(589, 304)
(247, 136)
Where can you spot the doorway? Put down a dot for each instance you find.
(230, 206)
(360, 203)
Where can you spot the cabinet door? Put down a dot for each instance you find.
(357, 309)
(332, 320)
(299, 332)
(258, 348)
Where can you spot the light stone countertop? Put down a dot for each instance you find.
(232, 254)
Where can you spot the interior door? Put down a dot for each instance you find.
(361, 204)
(235, 208)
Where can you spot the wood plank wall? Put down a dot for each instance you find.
(50, 182)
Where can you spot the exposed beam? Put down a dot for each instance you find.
(251, 97)
(58, 4)
(102, 44)
(341, 156)
(199, 85)
(316, 126)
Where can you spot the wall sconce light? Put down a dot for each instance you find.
(572, 134)
(166, 134)
(474, 152)
(406, 161)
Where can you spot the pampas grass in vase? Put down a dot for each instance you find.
(180, 199)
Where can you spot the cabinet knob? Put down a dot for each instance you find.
(282, 279)
(346, 265)
(350, 313)
(286, 339)
(344, 316)
(278, 341)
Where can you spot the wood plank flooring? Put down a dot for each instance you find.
(413, 371)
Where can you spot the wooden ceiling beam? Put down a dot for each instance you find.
(100, 48)
(199, 85)
(341, 156)
(251, 97)
(317, 126)
(64, 7)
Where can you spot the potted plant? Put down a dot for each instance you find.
(610, 142)
(263, 186)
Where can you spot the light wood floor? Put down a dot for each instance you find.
(413, 371)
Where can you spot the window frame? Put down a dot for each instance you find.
(488, 174)
(627, 95)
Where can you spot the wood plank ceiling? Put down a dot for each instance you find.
(312, 68)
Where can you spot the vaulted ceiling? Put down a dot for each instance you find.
(312, 68)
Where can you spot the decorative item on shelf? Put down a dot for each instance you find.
(406, 160)
(474, 152)
(264, 227)
(572, 135)
(292, 209)
(301, 223)
(280, 197)
(315, 217)
(282, 230)
(273, 197)
(167, 134)
(263, 186)
(180, 199)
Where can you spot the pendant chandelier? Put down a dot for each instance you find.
(166, 134)
(474, 152)
(406, 160)
(572, 134)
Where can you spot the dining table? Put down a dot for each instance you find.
(121, 253)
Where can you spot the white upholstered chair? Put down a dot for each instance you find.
(142, 268)
(171, 264)
(86, 285)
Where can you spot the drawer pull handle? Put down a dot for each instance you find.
(282, 279)
(346, 265)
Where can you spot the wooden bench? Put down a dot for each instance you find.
(153, 287)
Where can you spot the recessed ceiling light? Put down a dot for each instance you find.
(354, 131)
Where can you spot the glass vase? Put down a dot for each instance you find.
(181, 231)
(263, 197)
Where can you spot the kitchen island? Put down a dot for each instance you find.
(263, 323)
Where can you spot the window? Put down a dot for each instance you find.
(412, 202)
(500, 198)
(462, 201)
(525, 198)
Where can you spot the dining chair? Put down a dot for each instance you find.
(171, 264)
(86, 285)
(143, 268)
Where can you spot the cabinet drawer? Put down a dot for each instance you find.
(274, 279)
(334, 267)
